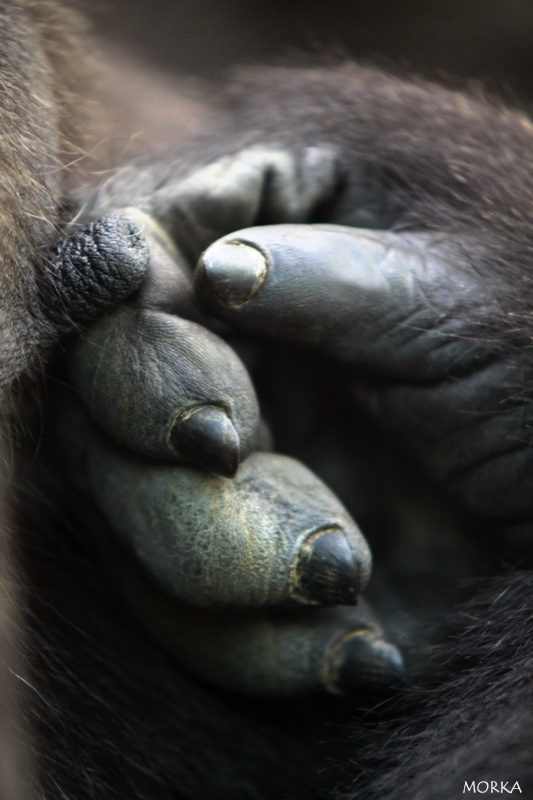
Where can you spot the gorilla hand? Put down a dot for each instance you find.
(349, 152)
(236, 570)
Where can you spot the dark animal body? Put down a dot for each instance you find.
(93, 707)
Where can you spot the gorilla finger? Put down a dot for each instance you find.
(275, 653)
(402, 305)
(334, 650)
(274, 533)
(167, 388)
(411, 310)
(98, 266)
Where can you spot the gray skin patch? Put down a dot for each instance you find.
(97, 266)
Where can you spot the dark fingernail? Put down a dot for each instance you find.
(327, 572)
(205, 436)
(234, 271)
(363, 660)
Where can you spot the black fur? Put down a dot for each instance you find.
(472, 722)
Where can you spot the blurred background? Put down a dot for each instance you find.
(491, 40)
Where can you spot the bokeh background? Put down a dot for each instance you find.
(491, 40)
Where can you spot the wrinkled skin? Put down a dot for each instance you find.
(337, 239)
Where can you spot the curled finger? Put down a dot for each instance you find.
(273, 534)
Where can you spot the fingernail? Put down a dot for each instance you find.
(205, 436)
(363, 660)
(326, 571)
(234, 271)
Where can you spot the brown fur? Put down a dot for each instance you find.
(40, 133)
(38, 112)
